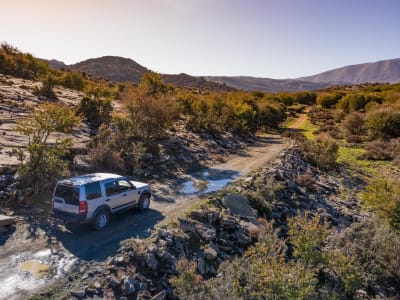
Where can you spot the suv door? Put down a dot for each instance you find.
(94, 197)
(119, 194)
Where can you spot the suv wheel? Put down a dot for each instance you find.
(144, 202)
(101, 220)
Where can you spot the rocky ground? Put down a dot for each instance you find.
(217, 159)
(217, 230)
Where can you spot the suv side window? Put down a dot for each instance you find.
(93, 190)
(124, 185)
(111, 188)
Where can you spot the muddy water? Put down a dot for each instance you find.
(27, 272)
(207, 181)
(36, 268)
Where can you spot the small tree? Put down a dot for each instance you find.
(354, 126)
(384, 123)
(44, 161)
(95, 110)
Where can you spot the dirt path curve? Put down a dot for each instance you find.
(81, 242)
(299, 122)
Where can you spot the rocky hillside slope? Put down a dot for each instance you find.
(224, 227)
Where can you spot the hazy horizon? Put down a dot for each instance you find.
(273, 39)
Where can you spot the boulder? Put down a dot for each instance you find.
(201, 266)
(238, 205)
(210, 253)
(129, 284)
(113, 281)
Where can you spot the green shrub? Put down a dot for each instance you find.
(307, 98)
(45, 161)
(375, 247)
(354, 125)
(384, 197)
(352, 102)
(384, 123)
(47, 88)
(328, 100)
(73, 80)
(321, 152)
(96, 111)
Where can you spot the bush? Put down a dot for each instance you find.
(384, 123)
(328, 100)
(321, 152)
(73, 80)
(45, 161)
(307, 98)
(46, 89)
(258, 202)
(96, 111)
(382, 150)
(306, 180)
(353, 102)
(353, 124)
(383, 196)
(376, 248)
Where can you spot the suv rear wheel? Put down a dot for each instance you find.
(101, 220)
(144, 202)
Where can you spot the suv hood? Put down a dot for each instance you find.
(139, 185)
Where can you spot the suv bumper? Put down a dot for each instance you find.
(70, 217)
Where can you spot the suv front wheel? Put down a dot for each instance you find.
(144, 202)
(101, 220)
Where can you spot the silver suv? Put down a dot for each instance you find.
(92, 198)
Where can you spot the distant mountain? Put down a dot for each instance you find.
(380, 71)
(122, 69)
(267, 84)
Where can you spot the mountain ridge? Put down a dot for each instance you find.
(125, 69)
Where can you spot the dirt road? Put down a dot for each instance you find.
(66, 244)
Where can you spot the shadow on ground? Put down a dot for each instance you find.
(87, 244)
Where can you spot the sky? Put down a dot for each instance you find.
(262, 38)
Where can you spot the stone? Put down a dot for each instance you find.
(78, 294)
(210, 253)
(113, 281)
(129, 284)
(151, 261)
(160, 296)
(238, 205)
(144, 295)
(201, 266)
(206, 233)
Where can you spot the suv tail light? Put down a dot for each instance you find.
(83, 207)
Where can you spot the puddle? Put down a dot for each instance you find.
(22, 274)
(207, 181)
(36, 268)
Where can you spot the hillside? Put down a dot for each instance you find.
(380, 71)
(122, 69)
(267, 84)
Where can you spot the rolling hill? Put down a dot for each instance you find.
(122, 69)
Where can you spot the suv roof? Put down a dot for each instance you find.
(88, 178)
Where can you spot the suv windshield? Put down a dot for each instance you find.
(69, 193)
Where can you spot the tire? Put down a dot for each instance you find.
(144, 202)
(101, 221)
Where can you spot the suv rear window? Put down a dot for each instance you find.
(69, 193)
(93, 190)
